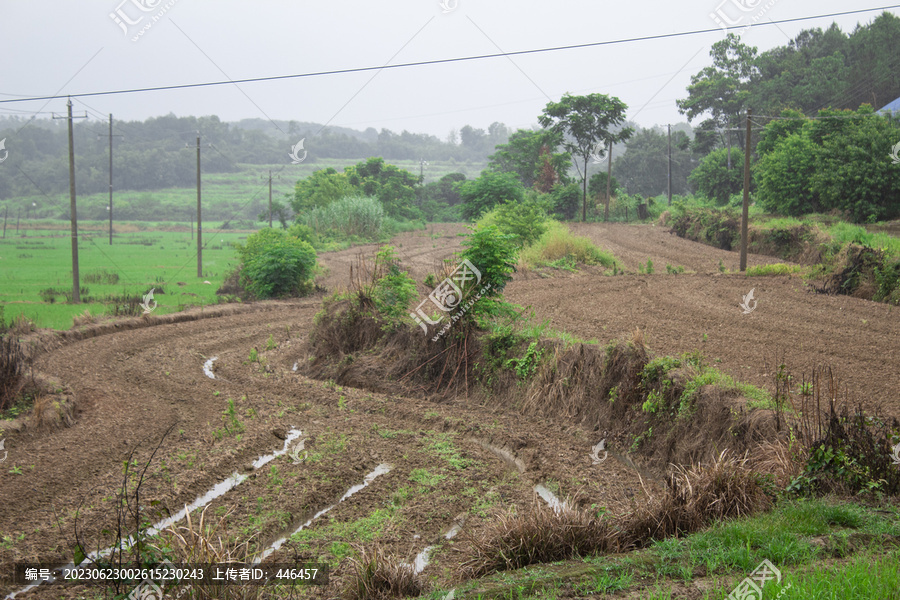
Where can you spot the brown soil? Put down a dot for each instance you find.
(130, 385)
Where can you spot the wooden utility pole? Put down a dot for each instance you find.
(110, 208)
(199, 216)
(73, 209)
(609, 183)
(745, 213)
(669, 177)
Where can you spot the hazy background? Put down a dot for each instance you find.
(49, 48)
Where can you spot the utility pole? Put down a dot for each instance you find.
(110, 207)
(270, 198)
(669, 177)
(199, 216)
(608, 182)
(73, 209)
(745, 214)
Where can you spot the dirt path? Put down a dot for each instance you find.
(634, 244)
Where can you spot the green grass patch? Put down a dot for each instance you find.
(798, 537)
(41, 259)
(425, 477)
(773, 269)
(559, 247)
(444, 447)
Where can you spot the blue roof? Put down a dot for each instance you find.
(893, 107)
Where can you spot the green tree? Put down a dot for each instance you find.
(597, 186)
(521, 155)
(714, 179)
(440, 198)
(320, 189)
(722, 89)
(280, 213)
(836, 161)
(274, 264)
(524, 221)
(587, 122)
(394, 187)
(488, 190)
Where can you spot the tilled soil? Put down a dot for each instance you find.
(133, 386)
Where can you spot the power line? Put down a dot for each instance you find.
(439, 61)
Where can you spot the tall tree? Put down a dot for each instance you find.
(521, 155)
(588, 124)
(721, 89)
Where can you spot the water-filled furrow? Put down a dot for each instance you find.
(216, 491)
(379, 470)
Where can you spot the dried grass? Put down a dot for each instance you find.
(12, 370)
(85, 318)
(377, 576)
(52, 411)
(696, 496)
(201, 542)
(538, 535)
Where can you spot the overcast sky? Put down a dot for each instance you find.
(67, 47)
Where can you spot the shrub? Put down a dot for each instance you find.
(566, 199)
(392, 289)
(494, 254)
(490, 189)
(275, 264)
(538, 535)
(525, 221)
(774, 269)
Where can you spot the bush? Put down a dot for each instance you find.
(524, 221)
(349, 217)
(490, 189)
(275, 264)
(377, 576)
(494, 255)
(566, 199)
(773, 269)
(714, 179)
(392, 289)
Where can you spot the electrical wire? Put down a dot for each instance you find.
(421, 63)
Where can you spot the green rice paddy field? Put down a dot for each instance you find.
(35, 260)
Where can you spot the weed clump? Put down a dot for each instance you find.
(377, 576)
(695, 497)
(12, 370)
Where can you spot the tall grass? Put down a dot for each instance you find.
(846, 232)
(351, 216)
(559, 243)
